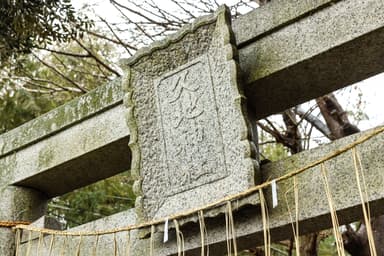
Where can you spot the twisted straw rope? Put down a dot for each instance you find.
(220, 202)
(11, 224)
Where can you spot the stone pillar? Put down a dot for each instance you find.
(18, 204)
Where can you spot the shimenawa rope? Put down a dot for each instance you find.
(220, 202)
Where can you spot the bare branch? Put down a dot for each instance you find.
(315, 121)
(134, 23)
(47, 82)
(166, 16)
(54, 69)
(117, 37)
(70, 54)
(178, 20)
(273, 131)
(140, 14)
(119, 42)
(292, 136)
(183, 8)
(97, 59)
(335, 116)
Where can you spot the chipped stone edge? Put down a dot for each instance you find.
(230, 50)
(240, 100)
(173, 38)
(133, 140)
(129, 104)
(223, 18)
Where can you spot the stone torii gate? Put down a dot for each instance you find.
(287, 52)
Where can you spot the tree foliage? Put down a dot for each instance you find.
(37, 83)
(94, 201)
(28, 24)
(19, 106)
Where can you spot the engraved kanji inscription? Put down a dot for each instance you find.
(191, 133)
(190, 138)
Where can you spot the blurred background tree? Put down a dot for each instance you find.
(25, 25)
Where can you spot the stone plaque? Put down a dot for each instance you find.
(190, 129)
(190, 137)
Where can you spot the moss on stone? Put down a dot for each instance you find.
(64, 116)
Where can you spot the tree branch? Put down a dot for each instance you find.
(119, 42)
(97, 59)
(316, 122)
(117, 37)
(70, 54)
(60, 73)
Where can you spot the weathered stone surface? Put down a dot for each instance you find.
(105, 245)
(61, 118)
(287, 61)
(313, 208)
(69, 147)
(274, 54)
(48, 222)
(327, 48)
(18, 204)
(313, 204)
(190, 137)
(273, 16)
(92, 150)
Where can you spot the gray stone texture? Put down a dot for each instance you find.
(313, 205)
(276, 14)
(18, 204)
(313, 213)
(61, 118)
(86, 152)
(105, 245)
(189, 133)
(307, 49)
(79, 155)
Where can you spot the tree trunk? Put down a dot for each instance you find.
(339, 126)
(308, 245)
(335, 117)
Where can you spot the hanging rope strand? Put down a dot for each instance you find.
(79, 246)
(17, 242)
(96, 245)
(265, 219)
(63, 247)
(220, 202)
(364, 200)
(335, 222)
(29, 244)
(152, 241)
(297, 235)
(51, 245)
(229, 213)
(203, 231)
(115, 248)
(227, 235)
(232, 227)
(39, 244)
(294, 223)
(128, 247)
